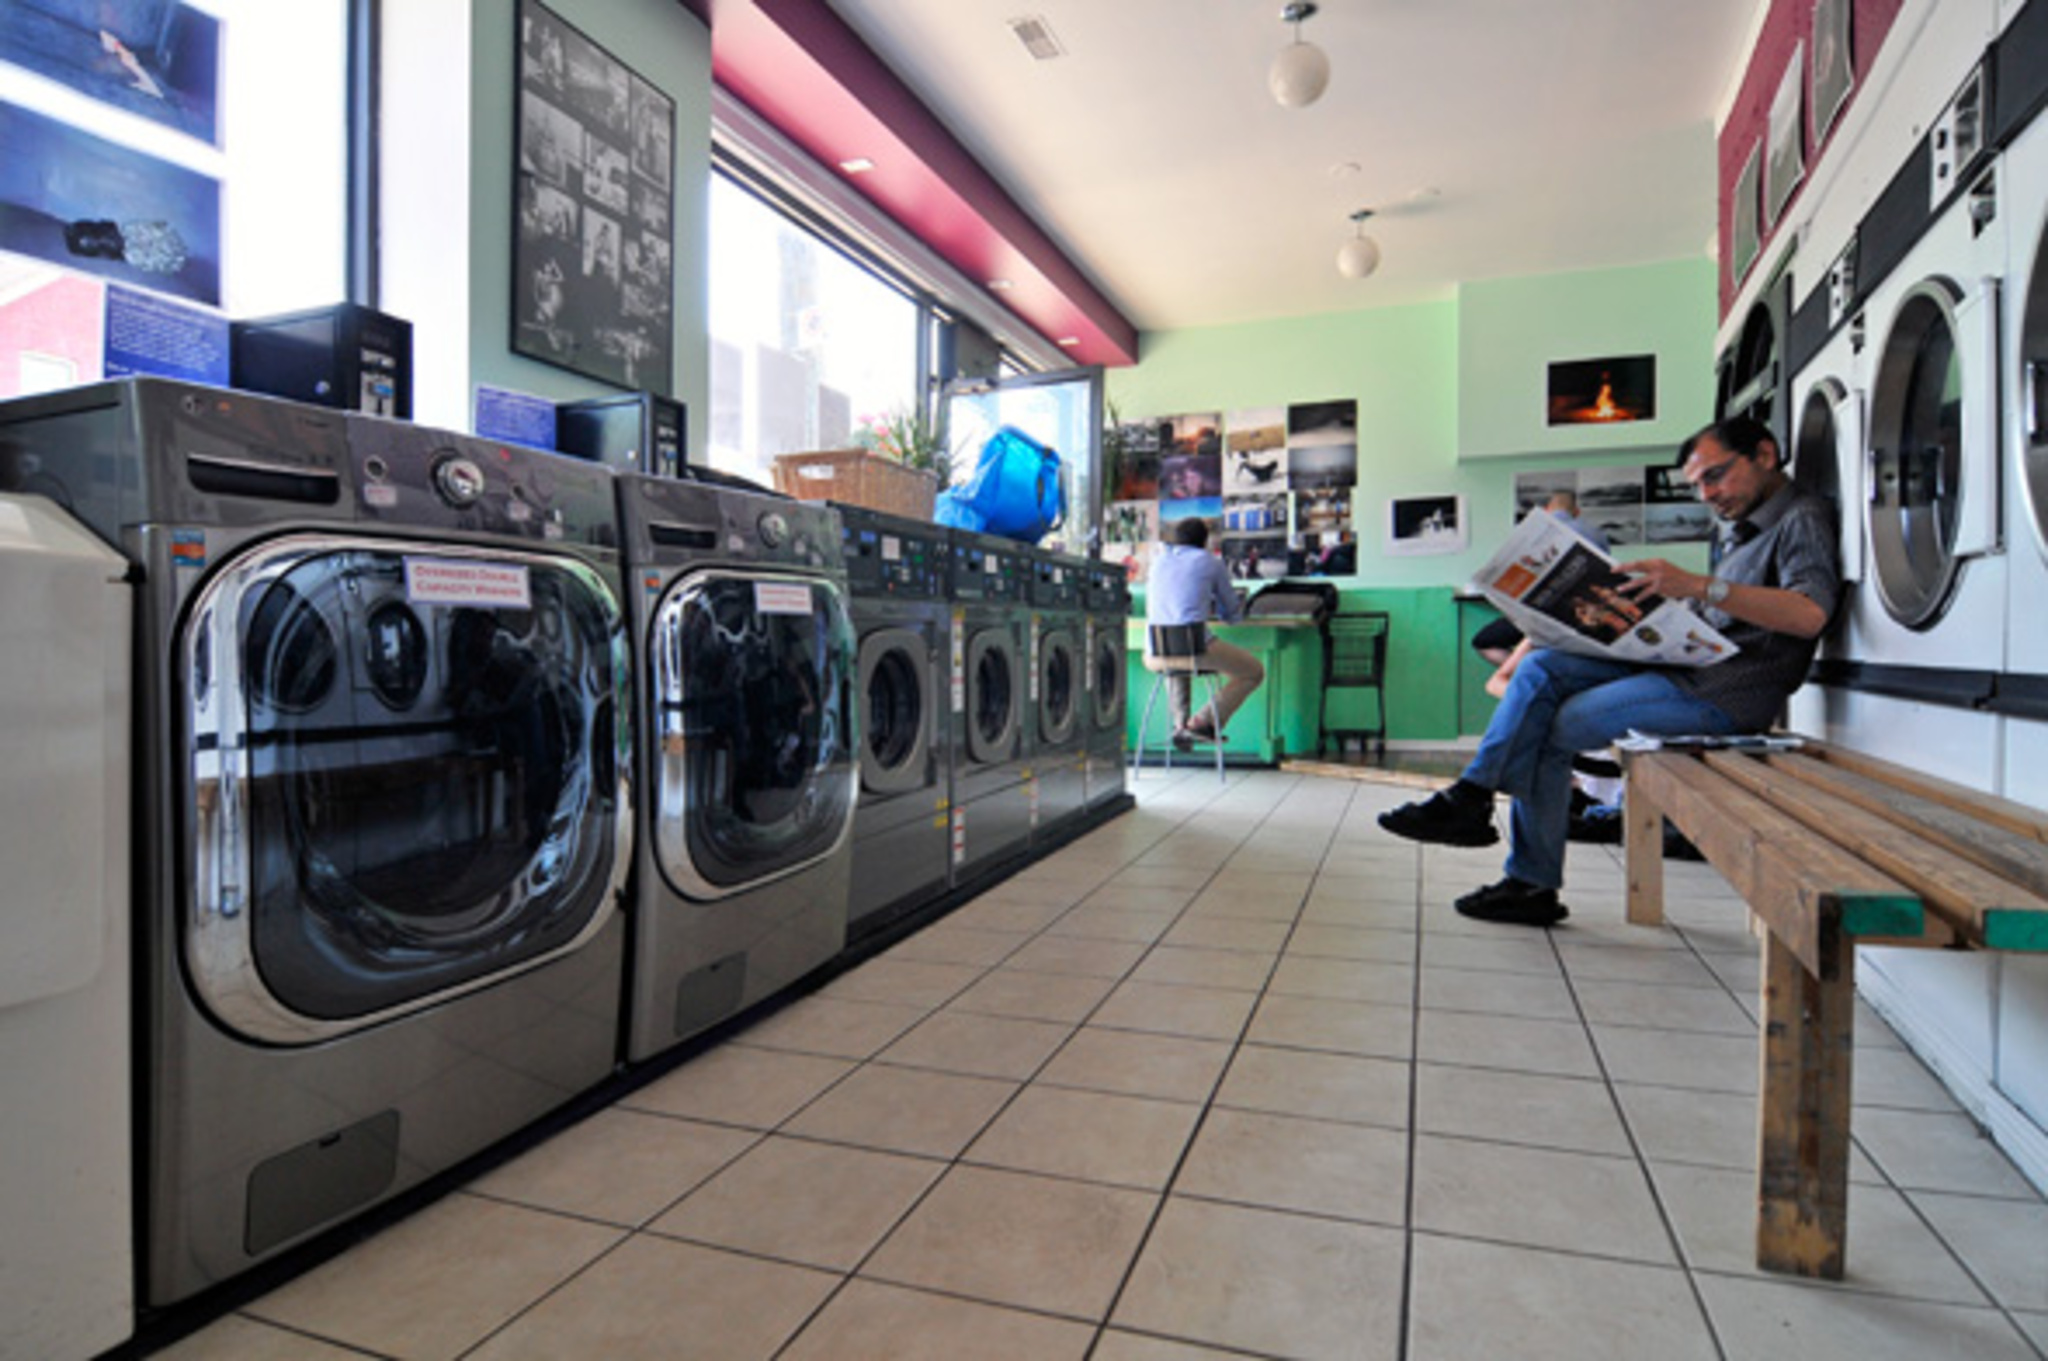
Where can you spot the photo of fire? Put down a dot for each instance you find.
(1603, 391)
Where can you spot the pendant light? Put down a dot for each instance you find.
(1359, 256)
(1301, 72)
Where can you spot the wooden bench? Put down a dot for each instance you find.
(1831, 849)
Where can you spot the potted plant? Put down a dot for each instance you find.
(906, 436)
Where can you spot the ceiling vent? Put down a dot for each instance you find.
(1037, 36)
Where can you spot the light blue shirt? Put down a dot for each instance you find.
(1189, 586)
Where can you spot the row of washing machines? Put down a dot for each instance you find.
(465, 774)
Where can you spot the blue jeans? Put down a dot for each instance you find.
(1557, 705)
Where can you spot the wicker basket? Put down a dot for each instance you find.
(858, 478)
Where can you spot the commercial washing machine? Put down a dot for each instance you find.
(902, 832)
(991, 703)
(383, 795)
(1059, 662)
(1107, 601)
(744, 674)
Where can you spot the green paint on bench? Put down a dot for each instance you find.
(2015, 928)
(1882, 914)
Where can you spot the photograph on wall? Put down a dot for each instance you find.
(154, 58)
(1323, 512)
(1322, 445)
(1744, 240)
(1191, 467)
(1786, 163)
(1834, 64)
(1672, 511)
(1535, 489)
(1130, 452)
(1255, 514)
(1325, 554)
(1611, 503)
(1421, 526)
(1607, 391)
(1255, 557)
(98, 207)
(1255, 450)
(1129, 529)
(1209, 508)
(593, 276)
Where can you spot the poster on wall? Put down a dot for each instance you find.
(1834, 65)
(1191, 466)
(1132, 450)
(1611, 502)
(1422, 526)
(1608, 391)
(1209, 508)
(1255, 450)
(1322, 445)
(151, 58)
(1787, 158)
(1744, 240)
(92, 205)
(1255, 531)
(592, 273)
(1129, 530)
(1672, 510)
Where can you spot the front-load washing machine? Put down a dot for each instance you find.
(1059, 660)
(2025, 171)
(383, 790)
(744, 666)
(902, 834)
(1107, 600)
(990, 702)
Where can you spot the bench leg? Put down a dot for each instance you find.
(1803, 1143)
(1643, 850)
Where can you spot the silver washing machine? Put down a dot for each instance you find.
(1106, 598)
(1059, 698)
(385, 815)
(991, 704)
(744, 667)
(902, 834)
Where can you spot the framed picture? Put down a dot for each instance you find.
(1834, 64)
(593, 276)
(1787, 163)
(1606, 391)
(157, 59)
(1421, 525)
(1744, 238)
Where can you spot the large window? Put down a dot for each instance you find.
(807, 345)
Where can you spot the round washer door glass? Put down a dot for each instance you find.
(753, 728)
(1916, 457)
(897, 707)
(396, 791)
(995, 703)
(2033, 394)
(1109, 677)
(1059, 688)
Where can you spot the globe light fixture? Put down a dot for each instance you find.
(1301, 72)
(1359, 256)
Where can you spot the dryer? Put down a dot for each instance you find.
(902, 831)
(990, 696)
(1107, 600)
(2025, 172)
(383, 794)
(744, 659)
(1059, 663)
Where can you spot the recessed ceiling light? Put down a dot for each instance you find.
(1069, 341)
(1037, 36)
(1343, 170)
(1000, 285)
(856, 165)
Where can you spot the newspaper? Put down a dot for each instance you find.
(1564, 593)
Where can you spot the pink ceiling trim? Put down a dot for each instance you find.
(798, 65)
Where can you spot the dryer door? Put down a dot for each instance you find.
(899, 704)
(1827, 460)
(2033, 395)
(405, 777)
(1059, 688)
(995, 698)
(752, 728)
(1107, 665)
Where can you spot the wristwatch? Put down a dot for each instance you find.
(1716, 592)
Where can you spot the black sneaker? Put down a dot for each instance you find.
(1444, 821)
(1513, 901)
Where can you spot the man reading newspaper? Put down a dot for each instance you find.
(1770, 593)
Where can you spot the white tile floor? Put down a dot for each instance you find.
(1225, 1078)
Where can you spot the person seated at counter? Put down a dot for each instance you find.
(1187, 588)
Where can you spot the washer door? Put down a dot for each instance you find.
(898, 705)
(752, 728)
(1107, 663)
(1827, 459)
(2033, 377)
(1059, 687)
(995, 696)
(1933, 449)
(406, 777)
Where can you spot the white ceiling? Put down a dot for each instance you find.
(1494, 138)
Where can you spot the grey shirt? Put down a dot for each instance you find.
(1794, 549)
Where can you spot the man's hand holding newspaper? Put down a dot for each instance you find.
(1564, 593)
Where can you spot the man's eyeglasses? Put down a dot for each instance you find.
(1709, 478)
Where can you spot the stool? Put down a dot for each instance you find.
(1170, 641)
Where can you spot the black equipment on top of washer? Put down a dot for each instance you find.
(633, 432)
(346, 356)
(1058, 691)
(991, 731)
(1107, 599)
(383, 812)
(744, 685)
(902, 837)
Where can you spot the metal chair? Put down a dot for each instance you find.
(1354, 658)
(1171, 642)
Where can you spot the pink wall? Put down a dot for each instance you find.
(62, 318)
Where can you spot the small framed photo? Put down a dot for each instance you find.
(1834, 63)
(1787, 163)
(1418, 526)
(1607, 391)
(1744, 239)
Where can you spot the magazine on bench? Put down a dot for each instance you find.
(1562, 592)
